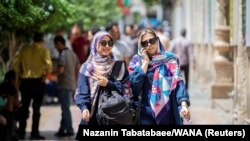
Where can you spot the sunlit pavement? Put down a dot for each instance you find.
(202, 111)
(50, 121)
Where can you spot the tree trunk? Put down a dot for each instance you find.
(2, 65)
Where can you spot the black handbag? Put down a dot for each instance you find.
(113, 108)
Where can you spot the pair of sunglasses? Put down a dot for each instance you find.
(109, 42)
(152, 41)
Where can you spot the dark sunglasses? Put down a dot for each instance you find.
(109, 42)
(152, 41)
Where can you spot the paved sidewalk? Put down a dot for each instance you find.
(201, 108)
(50, 122)
(201, 111)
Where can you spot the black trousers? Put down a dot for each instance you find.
(185, 68)
(31, 89)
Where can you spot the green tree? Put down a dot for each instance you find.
(96, 12)
(150, 2)
(20, 18)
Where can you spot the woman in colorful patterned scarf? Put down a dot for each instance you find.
(157, 75)
(93, 74)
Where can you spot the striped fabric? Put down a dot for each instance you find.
(97, 65)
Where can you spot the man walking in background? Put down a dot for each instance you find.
(67, 70)
(183, 48)
(120, 48)
(32, 64)
(80, 43)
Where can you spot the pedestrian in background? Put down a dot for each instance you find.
(183, 48)
(80, 43)
(9, 91)
(130, 38)
(32, 64)
(156, 74)
(67, 70)
(120, 50)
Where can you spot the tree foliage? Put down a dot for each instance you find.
(96, 12)
(20, 18)
(29, 15)
(47, 15)
(151, 2)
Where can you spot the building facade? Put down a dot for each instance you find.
(220, 31)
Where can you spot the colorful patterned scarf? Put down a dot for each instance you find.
(165, 67)
(97, 65)
(166, 75)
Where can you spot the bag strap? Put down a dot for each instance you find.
(138, 109)
(94, 107)
(116, 68)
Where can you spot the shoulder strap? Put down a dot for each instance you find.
(116, 68)
(138, 110)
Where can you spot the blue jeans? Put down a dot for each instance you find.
(65, 97)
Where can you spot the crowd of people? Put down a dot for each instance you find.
(72, 68)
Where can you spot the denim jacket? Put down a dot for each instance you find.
(142, 82)
(82, 94)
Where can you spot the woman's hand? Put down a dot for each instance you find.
(145, 56)
(101, 80)
(185, 113)
(85, 115)
(145, 60)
